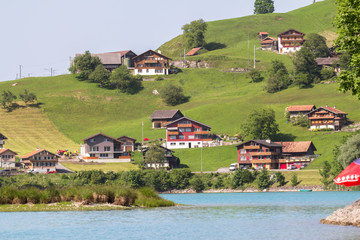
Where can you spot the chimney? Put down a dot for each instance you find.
(334, 106)
(326, 105)
(268, 140)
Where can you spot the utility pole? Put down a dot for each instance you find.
(248, 51)
(201, 158)
(254, 58)
(184, 57)
(142, 133)
(20, 66)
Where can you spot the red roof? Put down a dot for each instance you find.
(296, 147)
(334, 110)
(262, 33)
(35, 152)
(193, 51)
(300, 108)
(6, 149)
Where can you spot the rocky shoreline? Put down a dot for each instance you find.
(347, 216)
(315, 188)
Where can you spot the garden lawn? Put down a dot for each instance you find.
(106, 167)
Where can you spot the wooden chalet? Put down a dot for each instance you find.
(7, 158)
(327, 117)
(297, 153)
(187, 133)
(169, 161)
(151, 63)
(297, 110)
(290, 41)
(104, 148)
(2, 142)
(330, 62)
(269, 43)
(262, 35)
(162, 117)
(41, 160)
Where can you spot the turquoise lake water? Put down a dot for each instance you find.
(206, 216)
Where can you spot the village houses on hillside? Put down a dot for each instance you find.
(286, 42)
(162, 117)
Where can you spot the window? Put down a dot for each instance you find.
(172, 144)
(172, 137)
(205, 129)
(140, 71)
(197, 129)
(158, 70)
(106, 140)
(182, 144)
(147, 70)
(191, 137)
(92, 154)
(93, 140)
(107, 149)
(104, 155)
(181, 137)
(242, 151)
(95, 149)
(243, 158)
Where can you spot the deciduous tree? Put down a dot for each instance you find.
(263, 6)
(122, 79)
(263, 179)
(255, 75)
(349, 151)
(172, 95)
(316, 44)
(100, 75)
(348, 29)
(278, 77)
(155, 154)
(194, 33)
(85, 64)
(27, 97)
(305, 62)
(7, 100)
(259, 124)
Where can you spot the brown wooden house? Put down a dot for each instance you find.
(327, 117)
(269, 43)
(297, 110)
(290, 41)
(262, 35)
(169, 161)
(7, 158)
(151, 63)
(297, 153)
(41, 160)
(162, 117)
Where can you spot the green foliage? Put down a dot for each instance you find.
(263, 6)
(325, 174)
(122, 79)
(100, 75)
(348, 28)
(159, 78)
(280, 178)
(197, 183)
(255, 75)
(259, 124)
(278, 78)
(305, 62)
(173, 95)
(180, 178)
(155, 154)
(327, 73)
(85, 64)
(28, 97)
(263, 179)
(7, 100)
(301, 121)
(241, 177)
(302, 80)
(316, 44)
(294, 180)
(194, 33)
(344, 60)
(349, 151)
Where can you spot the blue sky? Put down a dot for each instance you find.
(44, 34)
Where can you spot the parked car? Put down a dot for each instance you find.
(304, 165)
(32, 171)
(233, 166)
(291, 167)
(50, 172)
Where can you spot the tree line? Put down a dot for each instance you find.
(8, 99)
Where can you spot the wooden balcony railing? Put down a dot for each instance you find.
(90, 157)
(202, 132)
(184, 125)
(124, 157)
(173, 133)
(252, 147)
(206, 139)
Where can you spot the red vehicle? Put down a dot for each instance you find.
(50, 172)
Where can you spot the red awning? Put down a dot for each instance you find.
(350, 176)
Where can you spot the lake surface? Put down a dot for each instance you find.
(206, 216)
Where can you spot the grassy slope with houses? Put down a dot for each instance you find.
(220, 99)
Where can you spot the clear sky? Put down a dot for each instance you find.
(44, 34)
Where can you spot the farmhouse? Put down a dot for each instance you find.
(297, 110)
(330, 62)
(41, 160)
(7, 158)
(327, 117)
(162, 117)
(269, 43)
(187, 133)
(2, 142)
(290, 41)
(151, 63)
(275, 155)
(169, 161)
(262, 35)
(103, 148)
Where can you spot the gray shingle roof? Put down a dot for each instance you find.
(164, 114)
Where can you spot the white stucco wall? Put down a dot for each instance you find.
(151, 72)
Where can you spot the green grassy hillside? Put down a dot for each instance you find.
(73, 110)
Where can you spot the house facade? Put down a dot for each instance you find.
(327, 117)
(169, 161)
(297, 153)
(275, 155)
(290, 41)
(329, 62)
(297, 110)
(187, 133)
(162, 117)
(103, 148)
(269, 43)
(151, 63)
(259, 153)
(41, 160)
(2, 142)
(7, 158)
(262, 35)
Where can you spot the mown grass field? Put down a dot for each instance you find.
(71, 110)
(116, 167)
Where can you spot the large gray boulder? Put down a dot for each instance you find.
(347, 216)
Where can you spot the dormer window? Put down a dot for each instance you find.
(93, 140)
(106, 140)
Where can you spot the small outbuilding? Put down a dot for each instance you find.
(162, 117)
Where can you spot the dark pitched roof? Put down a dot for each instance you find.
(291, 30)
(193, 51)
(187, 119)
(164, 114)
(3, 136)
(126, 137)
(153, 52)
(326, 61)
(100, 134)
(262, 142)
(146, 149)
(330, 109)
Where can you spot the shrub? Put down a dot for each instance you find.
(294, 180)
(263, 180)
(280, 179)
(197, 184)
(125, 197)
(173, 95)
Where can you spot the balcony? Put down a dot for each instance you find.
(173, 133)
(202, 132)
(206, 139)
(89, 158)
(263, 153)
(185, 125)
(252, 147)
(257, 161)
